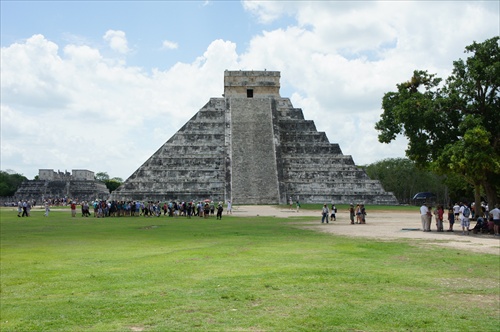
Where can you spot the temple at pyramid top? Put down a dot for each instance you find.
(251, 147)
(249, 84)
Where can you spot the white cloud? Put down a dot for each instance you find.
(82, 110)
(170, 45)
(117, 41)
(75, 106)
(341, 58)
(269, 11)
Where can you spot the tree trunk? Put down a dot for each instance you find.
(491, 194)
(478, 212)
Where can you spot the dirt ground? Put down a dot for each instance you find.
(386, 225)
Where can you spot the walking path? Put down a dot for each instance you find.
(382, 225)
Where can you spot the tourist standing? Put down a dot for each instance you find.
(351, 213)
(358, 214)
(333, 216)
(219, 211)
(229, 208)
(439, 213)
(425, 218)
(73, 209)
(212, 208)
(206, 210)
(456, 211)
(28, 208)
(495, 214)
(465, 222)
(47, 209)
(25, 209)
(363, 214)
(324, 213)
(298, 205)
(451, 218)
(19, 208)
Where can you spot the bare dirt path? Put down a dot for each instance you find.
(383, 225)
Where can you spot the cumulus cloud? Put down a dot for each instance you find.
(341, 57)
(77, 106)
(117, 41)
(169, 45)
(81, 109)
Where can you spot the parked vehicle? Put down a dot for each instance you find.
(422, 197)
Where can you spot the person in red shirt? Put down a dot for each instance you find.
(73, 209)
(439, 213)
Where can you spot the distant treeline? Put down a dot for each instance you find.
(404, 179)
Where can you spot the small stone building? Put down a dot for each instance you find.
(251, 147)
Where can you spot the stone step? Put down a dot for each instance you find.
(209, 150)
(215, 127)
(180, 174)
(181, 196)
(293, 175)
(253, 156)
(303, 137)
(287, 125)
(196, 137)
(319, 149)
(283, 103)
(187, 163)
(291, 114)
(346, 198)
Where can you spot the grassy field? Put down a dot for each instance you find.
(238, 274)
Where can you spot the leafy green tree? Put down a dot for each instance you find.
(452, 129)
(9, 182)
(111, 184)
(102, 176)
(402, 177)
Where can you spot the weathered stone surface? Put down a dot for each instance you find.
(253, 156)
(74, 189)
(251, 147)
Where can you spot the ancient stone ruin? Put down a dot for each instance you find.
(80, 185)
(251, 147)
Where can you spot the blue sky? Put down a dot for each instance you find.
(192, 25)
(116, 79)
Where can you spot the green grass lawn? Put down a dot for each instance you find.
(238, 274)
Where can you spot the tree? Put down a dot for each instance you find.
(102, 176)
(111, 184)
(402, 177)
(9, 182)
(452, 129)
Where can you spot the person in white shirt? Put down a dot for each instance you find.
(425, 218)
(495, 214)
(456, 211)
(465, 213)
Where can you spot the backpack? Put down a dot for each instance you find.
(466, 212)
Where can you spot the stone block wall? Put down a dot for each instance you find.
(189, 166)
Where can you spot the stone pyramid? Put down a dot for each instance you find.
(251, 147)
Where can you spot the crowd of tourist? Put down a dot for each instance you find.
(112, 208)
(105, 209)
(357, 215)
(487, 221)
